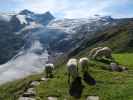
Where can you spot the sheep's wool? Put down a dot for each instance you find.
(106, 51)
(49, 68)
(84, 63)
(72, 67)
(114, 66)
(93, 51)
(49, 65)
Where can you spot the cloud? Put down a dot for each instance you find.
(73, 8)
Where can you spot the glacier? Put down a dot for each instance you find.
(27, 62)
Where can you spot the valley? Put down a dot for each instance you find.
(30, 40)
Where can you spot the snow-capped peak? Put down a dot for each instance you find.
(44, 18)
(22, 19)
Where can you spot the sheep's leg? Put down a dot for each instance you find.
(77, 69)
(47, 75)
(69, 78)
(87, 68)
(51, 74)
(112, 58)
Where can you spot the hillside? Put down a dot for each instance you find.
(110, 85)
(119, 38)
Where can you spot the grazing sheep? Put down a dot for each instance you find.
(115, 67)
(104, 52)
(93, 51)
(49, 69)
(72, 67)
(83, 62)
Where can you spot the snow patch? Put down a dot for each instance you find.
(22, 19)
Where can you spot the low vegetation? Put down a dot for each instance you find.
(110, 85)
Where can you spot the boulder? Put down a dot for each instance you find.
(44, 79)
(29, 93)
(26, 98)
(34, 83)
(92, 98)
(52, 98)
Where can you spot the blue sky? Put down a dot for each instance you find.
(71, 8)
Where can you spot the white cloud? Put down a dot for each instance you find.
(73, 8)
(69, 8)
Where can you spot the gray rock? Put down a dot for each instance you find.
(26, 94)
(93, 98)
(44, 79)
(26, 98)
(52, 98)
(35, 83)
(30, 92)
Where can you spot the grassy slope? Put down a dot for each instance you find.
(110, 85)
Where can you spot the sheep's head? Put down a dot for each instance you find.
(84, 61)
(72, 61)
(50, 65)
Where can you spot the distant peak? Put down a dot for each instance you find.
(109, 17)
(48, 13)
(26, 12)
(102, 17)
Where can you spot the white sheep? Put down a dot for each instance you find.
(93, 51)
(84, 62)
(104, 52)
(72, 67)
(49, 69)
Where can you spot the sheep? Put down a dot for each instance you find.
(72, 67)
(49, 69)
(93, 51)
(83, 62)
(104, 52)
(115, 67)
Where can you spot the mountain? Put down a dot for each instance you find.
(119, 37)
(44, 18)
(30, 40)
(10, 27)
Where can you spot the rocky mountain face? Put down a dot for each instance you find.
(29, 40)
(40, 18)
(9, 42)
(10, 27)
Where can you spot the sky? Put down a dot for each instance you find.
(71, 8)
